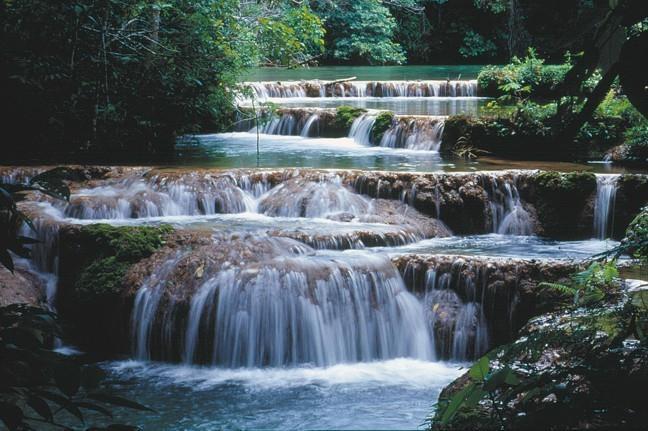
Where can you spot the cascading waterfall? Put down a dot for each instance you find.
(288, 123)
(159, 197)
(414, 134)
(509, 217)
(361, 129)
(301, 89)
(606, 187)
(313, 119)
(293, 308)
(459, 325)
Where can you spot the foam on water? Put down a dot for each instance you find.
(402, 372)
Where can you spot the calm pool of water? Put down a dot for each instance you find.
(239, 150)
(363, 73)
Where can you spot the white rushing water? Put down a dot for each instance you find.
(606, 187)
(301, 89)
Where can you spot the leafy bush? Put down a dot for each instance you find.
(636, 140)
(38, 385)
(528, 74)
(591, 286)
(11, 218)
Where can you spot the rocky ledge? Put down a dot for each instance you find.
(583, 368)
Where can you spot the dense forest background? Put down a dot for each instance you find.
(107, 78)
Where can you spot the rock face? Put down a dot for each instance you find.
(20, 287)
(506, 290)
(93, 289)
(576, 369)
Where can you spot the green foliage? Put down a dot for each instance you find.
(38, 385)
(11, 218)
(292, 37)
(384, 121)
(361, 31)
(635, 242)
(477, 46)
(522, 77)
(121, 80)
(590, 287)
(636, 141)
(483, 382)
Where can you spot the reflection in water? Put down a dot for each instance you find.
(239, 150)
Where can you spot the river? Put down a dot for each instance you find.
(308, 319)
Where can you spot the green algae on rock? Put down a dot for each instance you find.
(384, 121)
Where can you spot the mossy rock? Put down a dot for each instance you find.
(384, 120)
(345, 116)
(126, 243)
(573, 369)
(561, 199)
(631, 197)
(111, 251)
(94, 261)
(454, 128)
(636, 237)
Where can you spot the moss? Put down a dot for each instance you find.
(101, 277)
(111, 250)
(384, 121)
(127, 243)
(346, 115)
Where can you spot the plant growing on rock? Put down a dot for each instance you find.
(597, 283)
(384, 121)
(483, 383)
(345, 116)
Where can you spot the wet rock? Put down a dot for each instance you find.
(20, 287)
(93, 263)
(575, 371)
(506, 289)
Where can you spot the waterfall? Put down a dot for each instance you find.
(361, 129)
(606, 187)
(306, 130)
(159, 197)
(459, 324)
(414, 134)
(509, 217)
(291, 307)
(292, 122)
(301, 89)
(145, 308)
